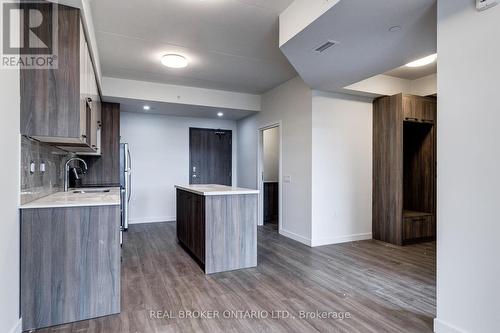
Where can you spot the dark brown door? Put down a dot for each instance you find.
(210, 156)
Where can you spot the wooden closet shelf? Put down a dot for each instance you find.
(412, 213)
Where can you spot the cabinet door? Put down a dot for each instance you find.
(198, 227)
(50, 102)
(421, 109)
(70, 264)
(92, 100)
(83, 85)
(181, 216)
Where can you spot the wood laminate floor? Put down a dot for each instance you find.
(382, 287)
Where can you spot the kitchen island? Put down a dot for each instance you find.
(217, 225)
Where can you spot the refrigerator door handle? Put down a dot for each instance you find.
(129, 161)
(129, 183)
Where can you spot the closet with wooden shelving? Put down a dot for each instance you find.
(404, 169)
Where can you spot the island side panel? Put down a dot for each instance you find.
(231, 232)
(70, 264)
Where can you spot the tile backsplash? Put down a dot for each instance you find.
(39, 184)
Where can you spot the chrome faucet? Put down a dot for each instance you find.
(66, 171)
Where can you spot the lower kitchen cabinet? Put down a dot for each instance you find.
(70, 264)
(191, 223)
(218, 231)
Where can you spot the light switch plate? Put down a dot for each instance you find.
(288, 179)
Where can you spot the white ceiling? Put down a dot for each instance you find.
(178, 110)
(231, 44)
(365, 46)
(413, 73)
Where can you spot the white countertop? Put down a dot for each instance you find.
(213, 189)
(71, 199)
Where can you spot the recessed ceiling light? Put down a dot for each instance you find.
(395, 28)
(174, 61)
(146, 107)
(220, 114)
(423, 62)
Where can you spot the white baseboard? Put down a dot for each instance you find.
(18, 328)
(152, 219)
(295, 237)
(444, 327)
(341, 239)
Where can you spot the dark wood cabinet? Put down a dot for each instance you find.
(191, 223)
(70, 264)
(419, 109)
(104, 170)
(60, 105)
(50, 98)
(404, 169)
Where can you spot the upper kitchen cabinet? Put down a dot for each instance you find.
(61, 106)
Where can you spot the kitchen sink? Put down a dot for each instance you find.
(91, 191)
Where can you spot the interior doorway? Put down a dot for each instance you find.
(269, 177)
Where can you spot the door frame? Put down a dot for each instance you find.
(260, 173)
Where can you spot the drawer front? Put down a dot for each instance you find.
(418, 227)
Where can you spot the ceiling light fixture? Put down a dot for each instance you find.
(423, 62)
(220, 114)
(146, 107)
(174, 61)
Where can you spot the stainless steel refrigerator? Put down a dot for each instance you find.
(125, 183)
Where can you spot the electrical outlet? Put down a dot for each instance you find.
(42, 167)
(32, 167)
(485, 4)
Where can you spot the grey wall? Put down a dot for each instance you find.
(290, 104)
(38, 184)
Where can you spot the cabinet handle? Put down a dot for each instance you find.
(89, 100)
(84, 136)
(412, 119)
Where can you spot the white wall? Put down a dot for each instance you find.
(169, 93)
(271, 152)
(380, 85)
(9, 199)
(159, 146)
(468, 245)
(342, 168)
(291, 104)
(299, 15)
(424, 86)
